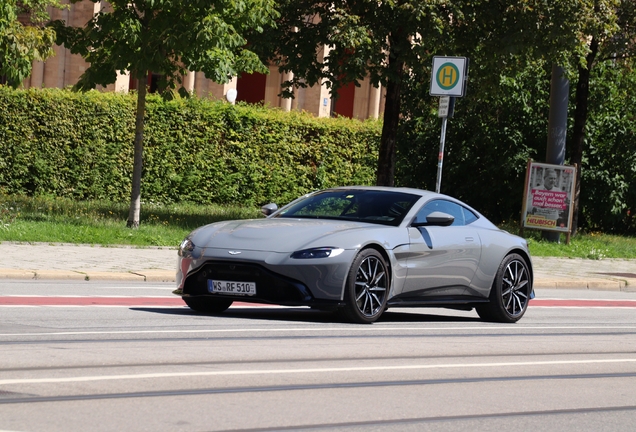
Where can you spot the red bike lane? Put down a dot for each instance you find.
(124, 301)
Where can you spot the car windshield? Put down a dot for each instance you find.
(374, 206)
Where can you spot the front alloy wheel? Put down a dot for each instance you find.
(510, 293)
(367, 288)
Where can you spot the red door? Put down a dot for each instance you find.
(344, 104)
(250, 88)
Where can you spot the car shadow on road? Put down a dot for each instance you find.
(441, 316)
(315, 316)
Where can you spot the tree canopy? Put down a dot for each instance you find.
(610, 35)
(505, 110)
(393, 41)
(167, 37)
(24, 40)
(382, 39)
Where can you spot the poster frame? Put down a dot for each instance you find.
(565, 183)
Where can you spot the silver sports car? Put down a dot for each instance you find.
(359, 250)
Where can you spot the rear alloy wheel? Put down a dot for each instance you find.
(207, 304)
(367, 288)
(510, 292)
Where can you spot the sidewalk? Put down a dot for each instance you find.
(85, 262)
(82, 262)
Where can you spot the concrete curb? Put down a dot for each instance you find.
(581, 284)
(133, 276)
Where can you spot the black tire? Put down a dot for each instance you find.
(207, 304)
(367, 288)
(510, 292)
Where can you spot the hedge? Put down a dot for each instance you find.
(80, 146)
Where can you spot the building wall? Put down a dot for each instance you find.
(368, 101)
(64, 68)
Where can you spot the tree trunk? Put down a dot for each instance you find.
(388, 141)
(135, 196)
(580, 120)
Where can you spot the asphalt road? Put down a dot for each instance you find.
(78, 356)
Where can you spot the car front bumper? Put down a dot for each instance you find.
(279, 279)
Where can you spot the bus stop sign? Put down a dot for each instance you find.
(449, 76)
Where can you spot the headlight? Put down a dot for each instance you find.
(186, 247)
(321, 252)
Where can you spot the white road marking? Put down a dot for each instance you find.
(583, 299)
(365, 329)
(583, 307)
(307, 370)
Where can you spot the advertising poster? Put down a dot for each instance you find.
(548, 197)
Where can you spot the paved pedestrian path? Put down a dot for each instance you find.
(85, 262)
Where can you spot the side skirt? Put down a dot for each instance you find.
(454, 302)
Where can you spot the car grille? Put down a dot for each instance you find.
(270, 287)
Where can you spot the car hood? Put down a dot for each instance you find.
(275, 234)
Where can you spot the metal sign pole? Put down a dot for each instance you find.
(440, 160)
(448, 80)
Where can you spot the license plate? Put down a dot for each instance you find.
(231, 287)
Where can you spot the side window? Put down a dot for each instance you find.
(469, 216)
(444, 206)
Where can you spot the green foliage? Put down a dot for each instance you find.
(381, 40)
(359, 34)
(169, 37)
(498, 35)
(384, 40)
(608, 184)
(77, 145)
(488, 142)
(496, 129)
(66, 144)
(20, 44)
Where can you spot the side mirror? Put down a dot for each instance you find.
(436, 219)
(268, 209)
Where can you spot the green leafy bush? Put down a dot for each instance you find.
(80, 146)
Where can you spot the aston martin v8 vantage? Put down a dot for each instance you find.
(359, 250)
